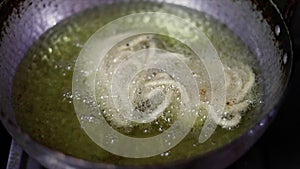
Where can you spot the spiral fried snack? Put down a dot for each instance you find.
(154, 93)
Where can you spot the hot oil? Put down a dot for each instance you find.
(43, 100)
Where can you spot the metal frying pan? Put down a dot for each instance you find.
(257, 22)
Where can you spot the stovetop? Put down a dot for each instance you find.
(278, 148)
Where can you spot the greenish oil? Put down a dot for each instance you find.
(43, 84)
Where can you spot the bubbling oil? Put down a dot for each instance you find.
(43, 98)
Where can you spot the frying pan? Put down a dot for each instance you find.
(257, 22)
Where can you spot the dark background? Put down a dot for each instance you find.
(278, 148)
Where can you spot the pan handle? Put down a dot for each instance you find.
(287, 7)
(290, 9)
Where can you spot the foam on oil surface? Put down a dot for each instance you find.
(42, 88)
